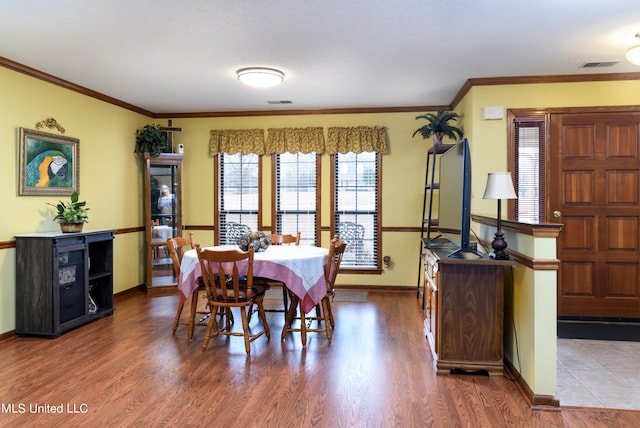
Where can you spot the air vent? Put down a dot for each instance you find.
(596, 64)
(280, 102)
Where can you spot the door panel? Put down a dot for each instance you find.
(595, 186)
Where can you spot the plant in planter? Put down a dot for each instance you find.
(439, 126)
(151, 139)
(71, 215)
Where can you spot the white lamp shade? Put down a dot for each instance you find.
(499, 186)
(633, 55)
(260, 77)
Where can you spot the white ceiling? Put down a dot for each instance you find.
(169, 56)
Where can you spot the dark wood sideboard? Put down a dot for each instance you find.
(464, 312)
(63, 280)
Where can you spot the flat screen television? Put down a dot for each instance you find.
(454, 205)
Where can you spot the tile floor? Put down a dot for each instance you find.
(598, 373)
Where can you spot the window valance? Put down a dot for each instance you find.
(357, 139)
(294, 140)
(231, 141)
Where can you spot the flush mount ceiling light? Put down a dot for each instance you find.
(260, 77)
(633, 54)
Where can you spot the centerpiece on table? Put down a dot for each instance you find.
(260, 241)
(72, 215)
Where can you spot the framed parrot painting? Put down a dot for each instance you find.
(49, 164)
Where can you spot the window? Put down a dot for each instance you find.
(528, 142)
(239, 195)
(296, 195)
(356, 181)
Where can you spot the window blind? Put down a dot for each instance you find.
(296, 196)
(239, 194)
(356, 207)
(529, 170)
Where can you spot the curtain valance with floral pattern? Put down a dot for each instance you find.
(294, 140)
(232, 141)
(357, 139)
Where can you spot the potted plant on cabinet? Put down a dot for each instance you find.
(438, 126)
(151, 139)
(72, 215)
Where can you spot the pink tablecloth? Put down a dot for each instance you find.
(301, 268)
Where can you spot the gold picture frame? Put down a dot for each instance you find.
(49, 164)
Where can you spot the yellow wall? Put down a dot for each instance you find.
(489, 139)
(110, 178)
(531, 338)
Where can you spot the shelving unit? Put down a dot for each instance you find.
(63, 280)
(427, 220)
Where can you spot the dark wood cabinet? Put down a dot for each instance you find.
(63, 280)
(464, 313)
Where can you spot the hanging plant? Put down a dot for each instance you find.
(438, 126)
(151, 139)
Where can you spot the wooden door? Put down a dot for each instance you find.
(595, 193)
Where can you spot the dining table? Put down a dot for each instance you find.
(300, 268)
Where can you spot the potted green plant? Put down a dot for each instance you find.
(151, 139)
(72, 215)
(438, 126)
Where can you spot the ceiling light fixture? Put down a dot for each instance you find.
(260, 77)
(633, 54)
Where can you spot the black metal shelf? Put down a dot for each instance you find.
(428, 222)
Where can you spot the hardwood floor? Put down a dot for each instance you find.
(128, 369)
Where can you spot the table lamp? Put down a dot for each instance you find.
(499, 186)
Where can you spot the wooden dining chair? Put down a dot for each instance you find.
(285, 239)
(324, 314)
(226, 289)
(177, 246)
